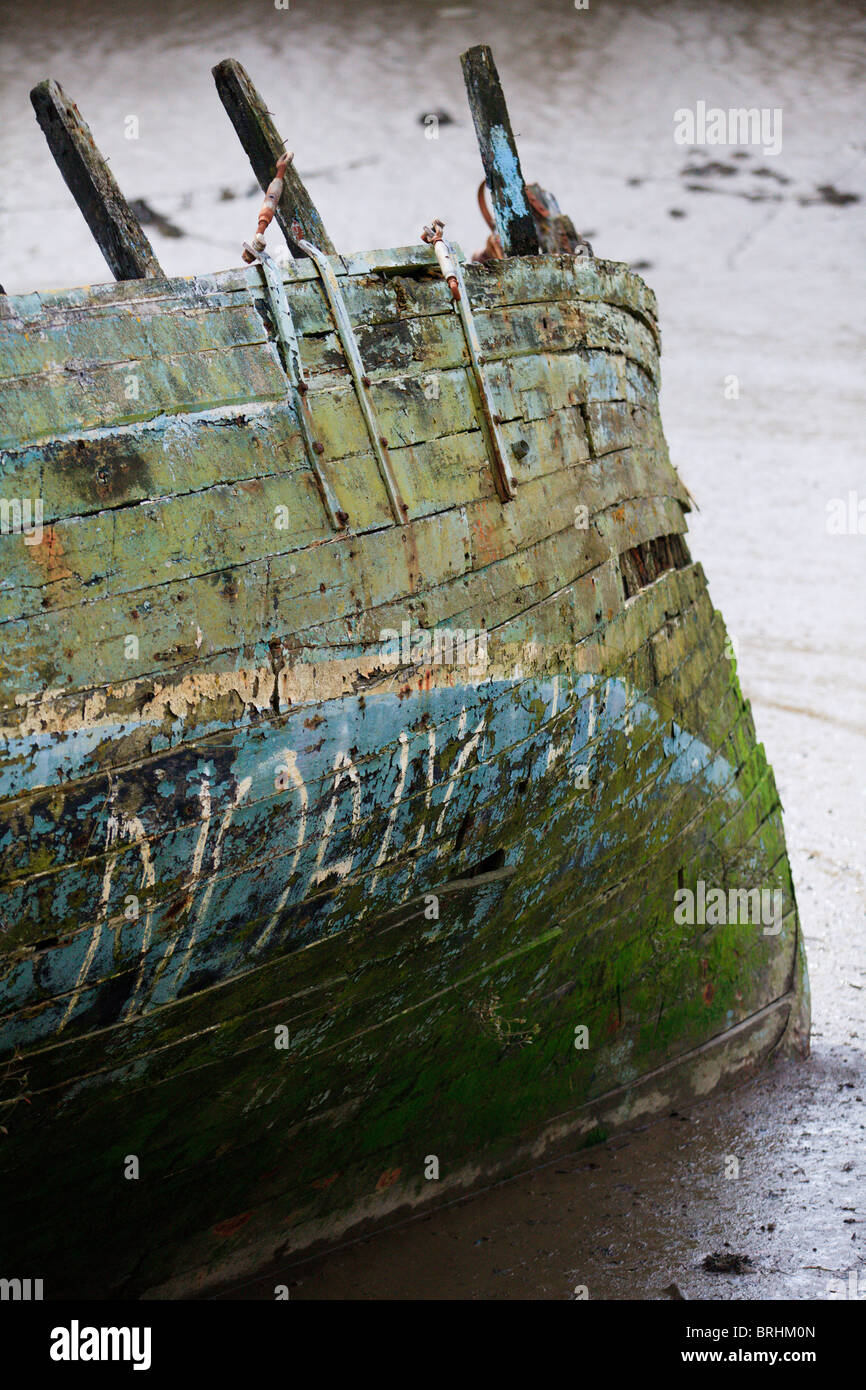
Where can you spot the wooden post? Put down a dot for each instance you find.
(514, 221)
(93, 186)
(258, 135)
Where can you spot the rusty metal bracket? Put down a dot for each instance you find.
(360, 379)
(506, 483)
(284, 326)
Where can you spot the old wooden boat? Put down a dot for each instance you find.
(379, 809)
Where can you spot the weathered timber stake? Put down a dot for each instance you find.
(514, 221)
(115, 226)
(258, 135)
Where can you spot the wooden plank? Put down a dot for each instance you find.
(538, 279)
(172, 379)
(404, 258)
(90, 341)
(182, 624)
(249, 840)
(165, 457)
(57, 403)
(615, 425)
(235, 532)
(86, 472)
(117, 230)
(93, 895)
(45, 328)
(263, 145)
(87, 795)
(436, 343)
(127, 549)
(527, 280)
(184, 1006)
(514, 221)
(245, 838)
(254, 832)
(109, 552)
(45, 901)
(264, 823)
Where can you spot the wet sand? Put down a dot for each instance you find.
(759, 277)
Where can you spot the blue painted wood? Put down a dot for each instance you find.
(515, 225)
(289, 819)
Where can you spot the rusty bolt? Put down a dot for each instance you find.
(318, 448)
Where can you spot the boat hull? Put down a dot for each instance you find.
(307, 931)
